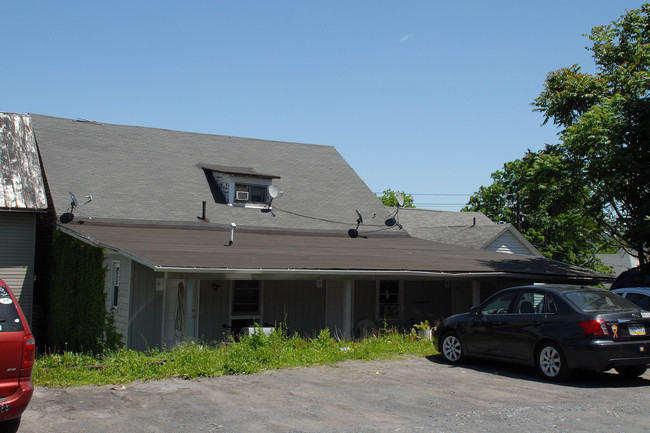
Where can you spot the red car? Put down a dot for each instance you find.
(17, 351)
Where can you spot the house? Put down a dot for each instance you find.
(620, 261)
(203, 235)
(22, 202)
(469, 229)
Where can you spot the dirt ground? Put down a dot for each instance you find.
(407, 395)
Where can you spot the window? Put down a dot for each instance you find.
(9, 318)
(642, 301)
(115, 283)
(238, 186)
(246, 298)
(388, 300)
(598, 300)
(500, 304)
(534, 303)
(250, 193)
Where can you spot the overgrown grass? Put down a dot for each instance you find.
(250, 355)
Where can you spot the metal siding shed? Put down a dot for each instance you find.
(21, 181)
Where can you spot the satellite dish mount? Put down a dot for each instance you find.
(354, 233)
(392, 221)
(74, 203)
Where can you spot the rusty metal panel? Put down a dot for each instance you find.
(21, 180)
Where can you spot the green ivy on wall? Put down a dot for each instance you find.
(78, 320)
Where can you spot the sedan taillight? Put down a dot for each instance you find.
(29, 351)
(595, 327)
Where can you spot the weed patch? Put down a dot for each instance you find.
(249, 355)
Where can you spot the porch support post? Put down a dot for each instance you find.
(162, 282)
(347, 310)
(476, 292)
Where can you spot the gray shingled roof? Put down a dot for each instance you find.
(470, 229)
(277, 254)
(148, 186)
(21, 180)
(146, 174)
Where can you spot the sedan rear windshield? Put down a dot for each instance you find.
(599, 301)
(9, 318)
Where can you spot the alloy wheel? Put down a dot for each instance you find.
(550, 361)
(451, 348)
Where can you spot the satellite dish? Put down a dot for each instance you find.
(273, 191)
(74, 203)
(66, 217)
(69, 216)
(400, 198)
(354, 233)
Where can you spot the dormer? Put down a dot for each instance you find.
(238, 186)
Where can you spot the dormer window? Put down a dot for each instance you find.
(245, 193)
(238, 186)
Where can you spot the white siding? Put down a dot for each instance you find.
(121, 315)
(509, 244)
(17, 240)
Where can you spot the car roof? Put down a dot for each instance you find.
(645, 290)
(559, 288)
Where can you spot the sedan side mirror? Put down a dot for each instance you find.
(474, 311)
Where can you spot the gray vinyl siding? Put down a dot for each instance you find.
(17, 240)
(365, 302)
(298, 304)
(121, 314)
(214, 310)
(145, 312)
(508, 243)
(426, 300)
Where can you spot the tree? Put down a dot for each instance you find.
(389, 199)
(537, 196)
(606, 128)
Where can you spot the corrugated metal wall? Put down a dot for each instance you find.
(17, 240)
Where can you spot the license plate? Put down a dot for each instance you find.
(636, 329)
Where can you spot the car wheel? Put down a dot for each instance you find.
(631, 371)
(10, 426)
(551, 362)
(451, 348)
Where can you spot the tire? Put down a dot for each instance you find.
(451, 348)
(10, 426)
(632, 371)
(551, 362)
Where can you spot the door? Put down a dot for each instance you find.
(521, 329)
(483, 335)
(181, 300)
(246, 305)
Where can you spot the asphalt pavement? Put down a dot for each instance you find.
(405, 395)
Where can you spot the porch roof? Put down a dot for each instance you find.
(202, 249)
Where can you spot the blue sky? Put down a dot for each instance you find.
(428, 97)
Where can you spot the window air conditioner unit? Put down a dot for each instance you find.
(250, 331)
(241, 195)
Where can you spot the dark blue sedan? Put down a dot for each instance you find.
(555, 328)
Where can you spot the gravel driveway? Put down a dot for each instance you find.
(407, 395)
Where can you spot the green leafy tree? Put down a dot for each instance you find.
(605, 121)
(389, 199)
(536, 195)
